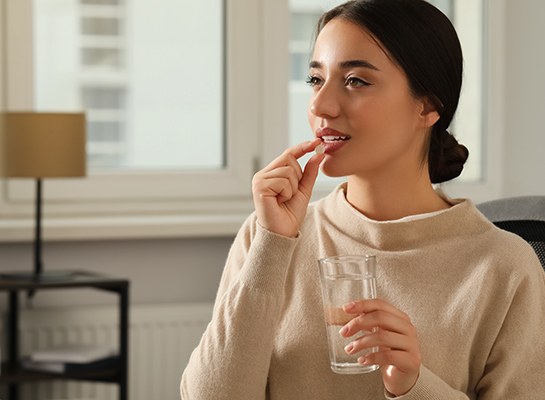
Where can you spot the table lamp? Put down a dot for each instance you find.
(41, 145)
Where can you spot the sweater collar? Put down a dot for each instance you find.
(407, 233)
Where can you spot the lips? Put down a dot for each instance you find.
(333, 140)
(329, 134)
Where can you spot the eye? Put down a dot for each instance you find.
(356, 82)
(313, 81)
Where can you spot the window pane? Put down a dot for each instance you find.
(100, 26)
(101, 57)
(103, 98)
(105, 132)
(152, 92)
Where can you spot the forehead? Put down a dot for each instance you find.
(341, 40)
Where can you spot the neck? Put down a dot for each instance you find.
(389, 199)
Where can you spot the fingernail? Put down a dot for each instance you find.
(363, 360)
(349, 348)
(349, 306)
(344, 330)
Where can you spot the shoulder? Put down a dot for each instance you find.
(494, 240)
(513, 257)
(502, 242)
(513, 248)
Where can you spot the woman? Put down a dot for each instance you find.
(461, 308)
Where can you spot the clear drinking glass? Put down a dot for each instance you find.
(345, 279)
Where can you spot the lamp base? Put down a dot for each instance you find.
(47, 276)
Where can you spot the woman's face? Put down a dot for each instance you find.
(362, 107)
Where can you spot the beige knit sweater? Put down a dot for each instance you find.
(476, 295)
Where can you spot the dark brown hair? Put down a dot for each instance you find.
(422, 41)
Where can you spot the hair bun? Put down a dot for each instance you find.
(447, 160)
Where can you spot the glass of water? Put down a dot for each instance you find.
(345, 279)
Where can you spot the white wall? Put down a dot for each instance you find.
(178, 270)
(525, 101)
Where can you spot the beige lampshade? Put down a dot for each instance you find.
(42, 145)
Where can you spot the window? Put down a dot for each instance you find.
(153, 94)
(232, 84)
(172, 118)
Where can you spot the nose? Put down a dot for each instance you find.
(325, 103)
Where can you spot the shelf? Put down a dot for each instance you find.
(62, 279)
(13, 373)
(18, 374)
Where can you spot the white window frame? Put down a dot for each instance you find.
(173, 204)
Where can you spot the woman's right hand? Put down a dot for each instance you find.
(282, 190)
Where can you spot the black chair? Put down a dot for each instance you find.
(524, 216)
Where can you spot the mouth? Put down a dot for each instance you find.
(329, 135)
(331, 139)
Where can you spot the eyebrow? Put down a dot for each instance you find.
(347, 64)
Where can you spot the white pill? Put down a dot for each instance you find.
(319, 149)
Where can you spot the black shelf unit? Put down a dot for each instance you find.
(13, 374)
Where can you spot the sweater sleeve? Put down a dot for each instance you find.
(430, 387)
(232, 359)
(514, 370)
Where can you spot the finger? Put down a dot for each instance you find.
(381, 319)
(336, 316)
(299, 150)
(310, 174)
(402, 360)
(283, 172)
(294, 164)
(293, 153)
(369, 305)
(281, 162)
(385, 340)
(279, 188)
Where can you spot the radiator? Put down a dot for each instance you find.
(161, 339)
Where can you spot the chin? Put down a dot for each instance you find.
(333, 172)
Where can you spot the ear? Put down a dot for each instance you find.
(428, 113)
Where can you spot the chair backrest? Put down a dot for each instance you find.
(524, 216)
